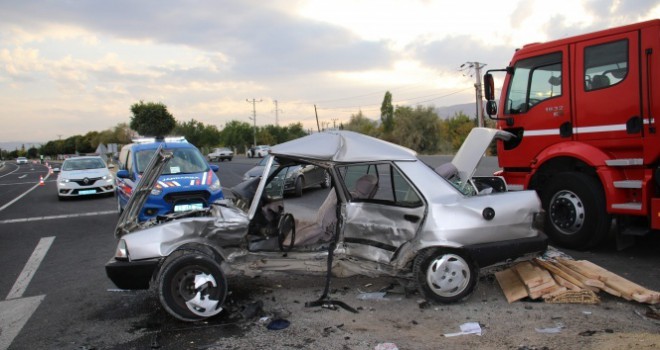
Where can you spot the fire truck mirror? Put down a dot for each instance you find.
(491, 108)
(489, 87)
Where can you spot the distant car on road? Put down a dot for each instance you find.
(220, 154)
(84, 176)
(258, 151)
(21, 160)
(296, 177)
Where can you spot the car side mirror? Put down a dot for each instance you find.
(215, 168)
(56, 170)
(123, 174)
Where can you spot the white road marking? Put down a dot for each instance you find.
(14, 314)
(16, 311)
(54, 217)
(11, 172)
(22, 195)
(22, 176)
(30, 268)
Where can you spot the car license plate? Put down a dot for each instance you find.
(83, 192)
(188, 207)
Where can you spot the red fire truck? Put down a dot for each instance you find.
(583, 109)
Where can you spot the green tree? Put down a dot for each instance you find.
(418, 129)
(32, 152)
(459, 126)
(198, 134)
(236, 134)
(152, 119)
(387, 114)
(360, 123)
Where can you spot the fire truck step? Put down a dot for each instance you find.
(635, 231)
(625, 162)
(627, 206)
(628, 184)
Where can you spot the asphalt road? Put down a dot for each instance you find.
(54, 293)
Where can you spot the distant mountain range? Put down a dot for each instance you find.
(469, 109)
(10, 146)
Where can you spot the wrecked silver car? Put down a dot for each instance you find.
(386, 213)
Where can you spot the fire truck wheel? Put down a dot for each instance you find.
(575, 207)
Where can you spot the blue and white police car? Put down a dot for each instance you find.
(188, 182)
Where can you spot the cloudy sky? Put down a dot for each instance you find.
(72, 66)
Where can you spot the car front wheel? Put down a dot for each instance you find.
(191, 285)
(445, 276)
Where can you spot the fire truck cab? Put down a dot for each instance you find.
(583, 110)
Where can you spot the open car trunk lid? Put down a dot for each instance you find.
(473, 148)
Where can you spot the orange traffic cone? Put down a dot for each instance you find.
(41, 180)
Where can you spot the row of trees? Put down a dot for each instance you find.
(419, 128)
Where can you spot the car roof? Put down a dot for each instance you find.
(343, 146)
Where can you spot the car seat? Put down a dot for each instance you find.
(365, 187)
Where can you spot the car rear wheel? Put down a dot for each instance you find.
(191, 285)
(445, 276)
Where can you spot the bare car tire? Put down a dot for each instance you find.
(445, 276)
(575, 208)
(326, 180)
(191, 285)
(298, 190)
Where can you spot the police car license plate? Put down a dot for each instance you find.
(188, 207)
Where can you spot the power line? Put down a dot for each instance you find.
(277, 116)
(254, 118)
(372, 106)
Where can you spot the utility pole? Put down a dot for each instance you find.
(334, 123)
(277, 115)
(254, 119)
(477, 86)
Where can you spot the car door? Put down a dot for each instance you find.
(383, 212)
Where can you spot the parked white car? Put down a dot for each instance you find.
(258, 151)
(220, 154)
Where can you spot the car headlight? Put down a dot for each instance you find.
(63, 181)
(108, 178)
(215, 186)
(122, 251)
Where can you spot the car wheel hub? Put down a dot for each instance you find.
(566, 212)
(448, 275)
(194, 288)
